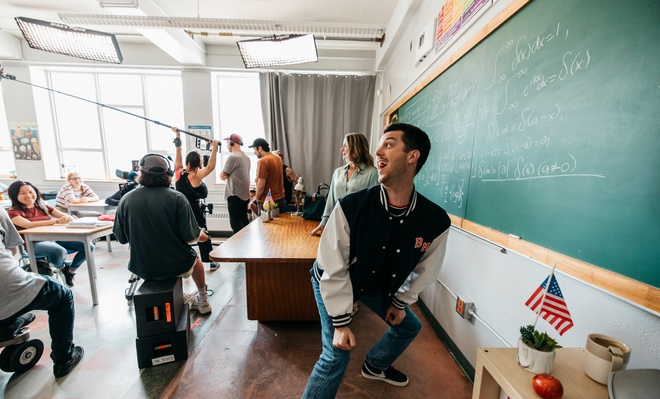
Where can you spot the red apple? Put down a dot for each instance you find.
(547, 386)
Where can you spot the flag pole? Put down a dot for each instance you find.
(547, 286)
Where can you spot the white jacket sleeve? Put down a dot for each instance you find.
(332, 256)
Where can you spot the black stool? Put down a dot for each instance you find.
(162, 321)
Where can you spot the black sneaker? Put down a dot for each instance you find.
(62, 369)
(390, 375)
(68, 276)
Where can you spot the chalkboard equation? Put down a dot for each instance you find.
(547, 129)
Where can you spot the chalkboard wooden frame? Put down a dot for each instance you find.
(633, 290)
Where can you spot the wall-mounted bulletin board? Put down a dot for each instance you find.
(548, 128)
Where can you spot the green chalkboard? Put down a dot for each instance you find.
(549, 129)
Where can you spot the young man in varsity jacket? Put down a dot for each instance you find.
(382, 246)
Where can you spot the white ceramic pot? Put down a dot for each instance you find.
(534, 360)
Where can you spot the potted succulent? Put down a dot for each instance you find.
(275, 209)
(536, 350)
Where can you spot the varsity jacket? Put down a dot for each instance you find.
(364, 249)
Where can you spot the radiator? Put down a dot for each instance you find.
(218, 221)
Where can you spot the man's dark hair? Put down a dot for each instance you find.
(147, 179)
(413, 138)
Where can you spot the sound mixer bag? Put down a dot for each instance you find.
(315, 203)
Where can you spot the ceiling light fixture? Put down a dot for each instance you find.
(72, 41)
(278, 50)
(118, 3)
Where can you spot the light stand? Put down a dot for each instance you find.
(299, 188)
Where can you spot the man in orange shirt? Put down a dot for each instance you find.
(270, 176)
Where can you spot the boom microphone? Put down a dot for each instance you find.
(13, 78)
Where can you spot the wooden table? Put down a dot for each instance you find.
(497, 368)
(63, 233)
(96, 206)
(278, 255)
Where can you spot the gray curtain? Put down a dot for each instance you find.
(306, 117)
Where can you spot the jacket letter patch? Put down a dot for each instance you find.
(425, 246)
(419, 241)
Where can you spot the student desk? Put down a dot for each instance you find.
(497, 368)
(278, 255)
(96, 206)
(63, 233)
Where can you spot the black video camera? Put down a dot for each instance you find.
(206, 145)
(206, 208)
(124, 188)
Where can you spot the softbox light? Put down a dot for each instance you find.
(278, 50)
(73, 41)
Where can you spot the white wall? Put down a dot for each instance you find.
(499, 284)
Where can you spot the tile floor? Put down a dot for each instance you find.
(230, 356)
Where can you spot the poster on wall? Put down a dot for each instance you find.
(25, 141)
(453, 18)
(204, 131)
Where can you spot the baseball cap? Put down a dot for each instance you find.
(235, 138)
(154, 163)
(260, 143)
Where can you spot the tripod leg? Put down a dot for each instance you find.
(130, 291)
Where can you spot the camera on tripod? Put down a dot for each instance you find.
(130, 177)
(206, 208)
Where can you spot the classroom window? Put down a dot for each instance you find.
(7, 166)
(96, 140)
(239, 111)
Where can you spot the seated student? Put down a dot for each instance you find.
(75, 192)
(29, 210)
(159, 224)
(23, 292)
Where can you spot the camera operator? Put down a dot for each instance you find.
(124, 188)
(189, 181)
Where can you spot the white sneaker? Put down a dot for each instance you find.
(189, 298)
(201, 307)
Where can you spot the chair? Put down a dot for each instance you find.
(24, 263)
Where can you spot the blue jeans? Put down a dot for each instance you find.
(56, 251)
(329, 370)
(58, 301)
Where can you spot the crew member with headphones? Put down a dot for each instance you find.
(236, 173)
(159, 225)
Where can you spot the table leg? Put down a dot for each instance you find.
(91, 270)
(485, 386)
(107, 239)
(31, 257)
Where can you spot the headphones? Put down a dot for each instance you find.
(169, 170)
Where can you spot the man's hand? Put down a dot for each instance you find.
(395, 316)
(343, 339)
(254, 207)
(203, 237)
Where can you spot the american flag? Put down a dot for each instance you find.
(554, 308)
(269, 198)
